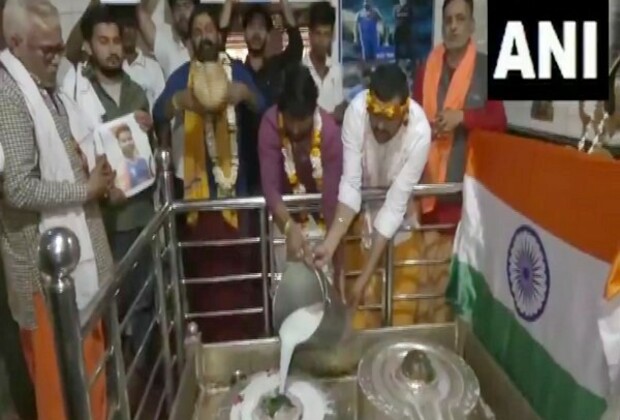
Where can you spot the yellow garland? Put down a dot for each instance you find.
(315, 152)
(391, 111)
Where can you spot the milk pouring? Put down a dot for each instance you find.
(297, 328)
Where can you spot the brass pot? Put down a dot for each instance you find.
(210, 85)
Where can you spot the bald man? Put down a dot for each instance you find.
(44, 173)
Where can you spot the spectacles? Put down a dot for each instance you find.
(50, 52)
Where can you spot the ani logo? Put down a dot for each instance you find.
(528, 273)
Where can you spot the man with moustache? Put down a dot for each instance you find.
(257, 27)
(46, 183)
(386, 138)
(301, 152)
(452, 88)
(266, 71)
(18, 384)
(208, 153)
(119, 95)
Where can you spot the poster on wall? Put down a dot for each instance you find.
(542, 110)
(378, 31)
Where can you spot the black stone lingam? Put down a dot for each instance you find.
(276, 406)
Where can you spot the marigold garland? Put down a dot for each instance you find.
(315, 161)
(378, 107)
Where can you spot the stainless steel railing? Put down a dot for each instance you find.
(59, 253)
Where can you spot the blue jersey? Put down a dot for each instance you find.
(367, 24)
(138, 171)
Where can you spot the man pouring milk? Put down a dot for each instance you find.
(386, 140)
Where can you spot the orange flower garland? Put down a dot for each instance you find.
(315, 160)
(390, 111)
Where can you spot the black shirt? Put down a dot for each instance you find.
(269, 77)
(269, 81)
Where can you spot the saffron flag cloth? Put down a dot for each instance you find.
(539, 232)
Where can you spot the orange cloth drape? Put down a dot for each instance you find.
(612, 290)
(439, 154)
(40, 355)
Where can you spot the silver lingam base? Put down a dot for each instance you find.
(205, 384)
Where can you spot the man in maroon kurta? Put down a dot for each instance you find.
(300, 151)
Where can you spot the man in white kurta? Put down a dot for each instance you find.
(386, 139)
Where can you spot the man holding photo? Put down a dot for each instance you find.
(119, 96)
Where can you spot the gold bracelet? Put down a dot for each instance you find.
(287, 226)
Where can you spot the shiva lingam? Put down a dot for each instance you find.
(276, 406)
(597, 119)
(258, 398)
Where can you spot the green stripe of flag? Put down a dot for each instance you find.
(550, 389)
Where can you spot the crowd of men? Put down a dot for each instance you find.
(286, 130)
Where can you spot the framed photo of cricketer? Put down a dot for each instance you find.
(129, 153)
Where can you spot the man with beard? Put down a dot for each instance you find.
(46, 184)
(210, 171)
(386, 138)
(168, 44)
(119, 96)
(257, 26)
(266, 71)
(300, 152)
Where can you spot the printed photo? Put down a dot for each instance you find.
(542, 111)
(129, 153)
(386, 30)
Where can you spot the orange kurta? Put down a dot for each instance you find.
(39, 351)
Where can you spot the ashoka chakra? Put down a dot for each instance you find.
(528, 273)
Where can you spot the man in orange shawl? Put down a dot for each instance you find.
(452, 88)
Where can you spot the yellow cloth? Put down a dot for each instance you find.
(196, 179)
(407, 280)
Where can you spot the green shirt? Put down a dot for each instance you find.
(136, 212)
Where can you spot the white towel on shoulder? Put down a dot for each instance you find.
(55, 166)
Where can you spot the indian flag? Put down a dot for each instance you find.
(533, 254)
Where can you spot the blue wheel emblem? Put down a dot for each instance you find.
(528, 273)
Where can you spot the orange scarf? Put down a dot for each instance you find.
(437, 165)
(613, 284)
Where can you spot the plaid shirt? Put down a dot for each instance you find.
(25, 195)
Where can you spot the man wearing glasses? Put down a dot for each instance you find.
(46, 185)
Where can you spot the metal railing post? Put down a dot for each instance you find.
(59, 254)
(264, 258)
(388, 294)
(160, 288)
(178, 290)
